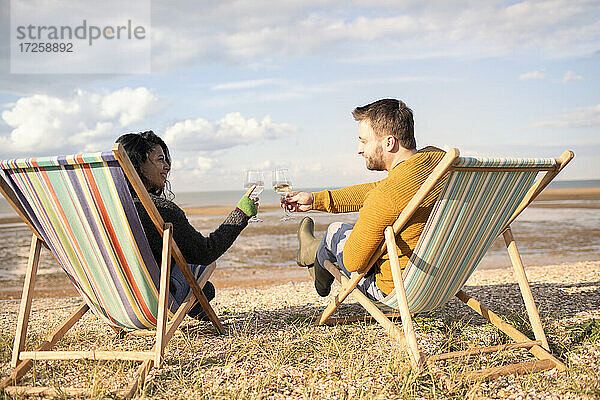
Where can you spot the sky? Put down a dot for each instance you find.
(232, 85)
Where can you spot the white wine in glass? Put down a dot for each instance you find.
(282, 185)
(254, 177)
(282, 188)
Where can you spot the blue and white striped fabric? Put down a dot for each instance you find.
(470, 212)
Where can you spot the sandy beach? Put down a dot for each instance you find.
(272, 350)
(263, 254)
(268, 305)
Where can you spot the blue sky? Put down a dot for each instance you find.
(265, 84)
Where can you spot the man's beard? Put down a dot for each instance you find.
(376, 162)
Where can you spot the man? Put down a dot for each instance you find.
(387, 142)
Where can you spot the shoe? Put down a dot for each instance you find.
(197, 311)
(323, 279)
(308, 243)
(311, 271)
(307, 257)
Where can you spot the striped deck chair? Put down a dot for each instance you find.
(478, 201)
(81, 209)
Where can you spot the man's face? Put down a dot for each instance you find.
(370, 147)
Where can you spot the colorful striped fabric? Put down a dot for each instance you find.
(471, 211)
(82, 207)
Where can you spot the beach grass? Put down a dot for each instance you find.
(272, 350)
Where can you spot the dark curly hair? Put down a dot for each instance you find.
(138, 147)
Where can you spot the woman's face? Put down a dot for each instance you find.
(155, 169)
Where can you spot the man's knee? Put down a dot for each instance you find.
(333, 230)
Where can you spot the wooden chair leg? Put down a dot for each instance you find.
(485, 350)
(144, 369)
(487, 373)
(532, 312)
(339, 298)
(45, 391)
(200, 297)
(416, 357)
(26, 297)
(538, 351)
(206, 274)
(526, 367)
(390, 328)
(25, 365)
(358, 318)
(163, 294)
(204, 278)
(545, 360)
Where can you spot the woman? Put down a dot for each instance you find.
(150, 157)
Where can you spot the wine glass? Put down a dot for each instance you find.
(282, 184)
(254, 177)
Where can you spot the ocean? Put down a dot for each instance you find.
(231, 197)
(221, 198)
(552, 232)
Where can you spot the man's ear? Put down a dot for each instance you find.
(390, 143)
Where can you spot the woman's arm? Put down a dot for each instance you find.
(200, 249)
(195, 247)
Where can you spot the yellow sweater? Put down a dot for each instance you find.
(379, 205)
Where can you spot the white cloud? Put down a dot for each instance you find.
(230, 131)
(248, 84)
(196, 165)
(572, 76)
(578, 118)
(279, 89)
(262, 34)
(84, 121)
(129, 105)
(204, 163)
(187, 168)
(537, 74)
(245, 32)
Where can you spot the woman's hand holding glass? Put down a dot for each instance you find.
(247, 205)
(254, 178)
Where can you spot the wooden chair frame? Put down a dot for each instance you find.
(22, 361)
(406, 336)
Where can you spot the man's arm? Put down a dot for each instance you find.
(348, 199)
